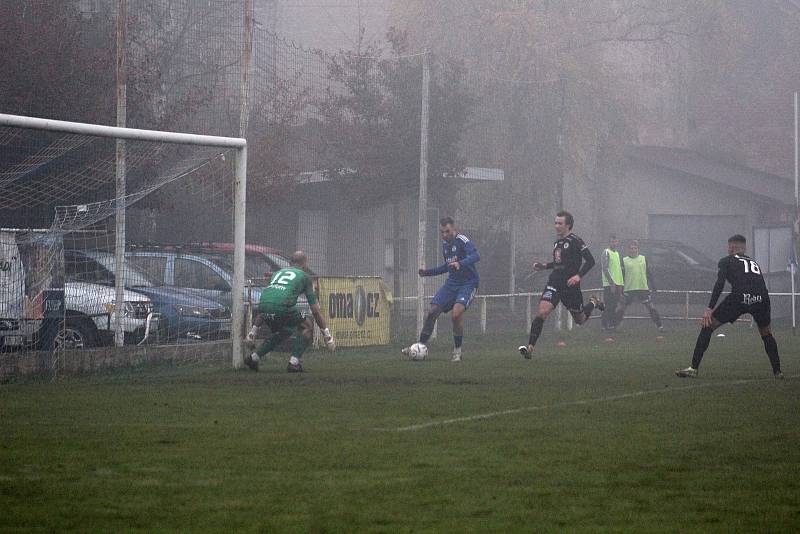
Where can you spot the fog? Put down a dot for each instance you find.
(259, 322)
(665, 121)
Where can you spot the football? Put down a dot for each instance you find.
(418, 351)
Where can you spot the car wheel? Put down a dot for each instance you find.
(77, 334)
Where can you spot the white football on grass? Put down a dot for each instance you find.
(418, 351)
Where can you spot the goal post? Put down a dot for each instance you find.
(239, 196)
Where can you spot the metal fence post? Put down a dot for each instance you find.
(483, 315)
(422, 204)
(528, 317)
(686, 310)
(249, 311)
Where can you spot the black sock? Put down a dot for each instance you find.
(588, 308)
(771, 346)
(427, 328)
(703, 340)
(536, 330)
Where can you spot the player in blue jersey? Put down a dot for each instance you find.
(460, 257)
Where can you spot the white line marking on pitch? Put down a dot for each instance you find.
(478, 417)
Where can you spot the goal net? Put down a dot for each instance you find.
(118, 246)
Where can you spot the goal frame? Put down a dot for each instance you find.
(239, 195)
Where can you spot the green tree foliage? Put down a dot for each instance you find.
(372, 113)
(56, 63)
(530, 44)
(60, 63)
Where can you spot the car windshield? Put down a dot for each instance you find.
(133, 276)
(136, 278)
(694, 257)
(256, 264)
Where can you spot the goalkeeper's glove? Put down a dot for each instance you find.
(251, 335)
(328, 338)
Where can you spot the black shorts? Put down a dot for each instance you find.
(736, 304)
(570, 296)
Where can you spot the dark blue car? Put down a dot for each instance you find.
(184, 316)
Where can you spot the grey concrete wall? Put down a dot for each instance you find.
(626, 201)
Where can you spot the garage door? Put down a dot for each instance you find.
(772, 248)
(708, 233)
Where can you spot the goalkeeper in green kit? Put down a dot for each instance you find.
(278, 308)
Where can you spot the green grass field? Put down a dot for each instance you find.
(593, 436)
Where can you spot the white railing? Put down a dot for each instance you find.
(512, 297)
(529, 302)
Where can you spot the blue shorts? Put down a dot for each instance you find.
(451, 294)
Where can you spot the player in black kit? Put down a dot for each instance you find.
(748, 295)
(571, 261)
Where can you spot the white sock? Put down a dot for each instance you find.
(456, 350)
(255, 357)
(294, 361)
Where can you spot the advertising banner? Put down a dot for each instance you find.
(356, 309)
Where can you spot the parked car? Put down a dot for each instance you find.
(89, 318)
(184, 316)
(207, 268)
(260, 261)
(45, 304)
(676, 265)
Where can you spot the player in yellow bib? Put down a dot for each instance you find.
(613, 283)
(639, 284)
(278, 308)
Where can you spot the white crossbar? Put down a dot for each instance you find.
(99, 130)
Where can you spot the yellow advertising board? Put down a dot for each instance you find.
(356, 309)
